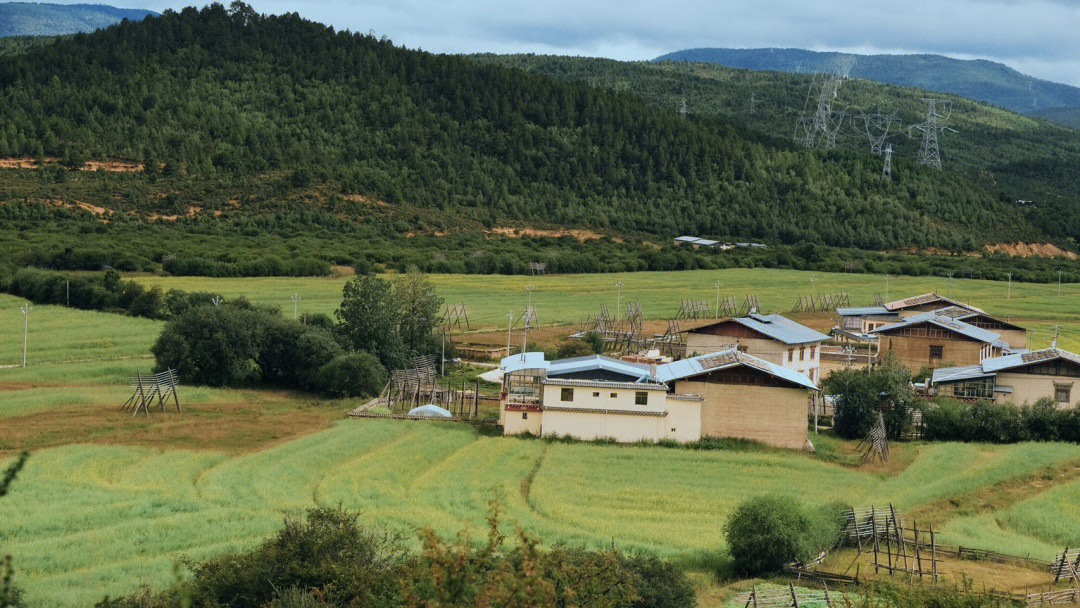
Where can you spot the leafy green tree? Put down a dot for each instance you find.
(419, 309)
(368, 320)
(213, 345)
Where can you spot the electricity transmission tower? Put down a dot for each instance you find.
(682, 108)
(817, 129)
(876, 126)
(937, 112)
(886, 170)
(752, 102)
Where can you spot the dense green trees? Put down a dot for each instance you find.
(218, 97)
(393, 321)
(765, 533)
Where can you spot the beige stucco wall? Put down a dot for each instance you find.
(772, 351)
(1016, 338)
(516, 423)
(1029, 388)
(588, 425)
(685, 418)
(599, 398)
(773, 415)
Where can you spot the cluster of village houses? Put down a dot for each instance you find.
(752, 377)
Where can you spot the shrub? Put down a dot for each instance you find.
(574, 348)
(351, 375)
(292, 353)
(862, 394)
(767, 532)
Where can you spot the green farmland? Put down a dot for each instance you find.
(566, 299)
(129, 497)
(123, 515)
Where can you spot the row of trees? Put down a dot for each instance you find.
(380, 325)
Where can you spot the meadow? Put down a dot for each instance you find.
(127, 497)
(566, 299)
(125, 514)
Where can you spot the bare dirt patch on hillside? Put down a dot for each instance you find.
(1026, 250)
(360, 198)
(113, 166)
(578, 233)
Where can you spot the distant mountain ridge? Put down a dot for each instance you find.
(976, 79)
(41, 19)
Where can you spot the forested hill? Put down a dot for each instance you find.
(40, 19)
(976, 79)
(224, 102)
(1013, 156)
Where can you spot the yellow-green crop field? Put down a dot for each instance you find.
(566, 299)
(85, 520)
(108, 503)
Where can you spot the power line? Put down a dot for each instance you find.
(818, 129)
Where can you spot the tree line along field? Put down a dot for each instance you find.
(122, 515)
(566, 299)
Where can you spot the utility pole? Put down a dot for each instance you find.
(886, 287)
(949, 292)
(718, 285)
(813, 290)
(295, 299)
(618, 298)
(509, 323)
(25, 308)
(442, 366)
(1008, 294)
(1054, 343)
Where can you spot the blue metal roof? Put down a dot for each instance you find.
(990, 367)
(597, 362)
(956, 374)
(779, 327)
(535, 360)
(522, 361)
(862, 311)
(695, 366)
(932, 317)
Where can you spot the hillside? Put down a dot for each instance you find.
(1013, 156)
(1069, 117)
(977, 79)
(302, 141)
(40, 19)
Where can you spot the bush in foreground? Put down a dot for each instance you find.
(329, 559)
(767, 532)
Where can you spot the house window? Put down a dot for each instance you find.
(614, 395)
(641, 398)
(567, 394)
(936, 351)
(596, 394)
(741, 348)
(813, 349)
(791, 354)
(802, 353)
(1061, 393)
(524, 415)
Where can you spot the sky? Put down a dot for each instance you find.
(1038, 37)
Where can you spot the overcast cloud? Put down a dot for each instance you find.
(1037, 37)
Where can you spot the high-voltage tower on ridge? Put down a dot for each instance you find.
(937, 112)
(876, 127)
(819, 123)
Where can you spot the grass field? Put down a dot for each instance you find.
(124, 514)
(127, 497)
(566, 299)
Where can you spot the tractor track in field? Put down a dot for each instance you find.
(999, 496)
(526, 484)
